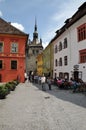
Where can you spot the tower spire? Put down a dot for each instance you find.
(35, 29)
(35, 34)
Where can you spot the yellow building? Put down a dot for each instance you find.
(48, 57)
(40, 64)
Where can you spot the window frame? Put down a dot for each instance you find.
(82, 56)
(81, 32)
(65, 60)
(60, 61)
(60, 46)
(56, 62)
(14, 65)
(2, 65)
(56, 49)
(13, 48)
(65, 43)
(2, 46)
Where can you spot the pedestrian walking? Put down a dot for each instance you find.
(49, 82)
(43, 81)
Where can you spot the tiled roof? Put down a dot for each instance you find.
(7, 28)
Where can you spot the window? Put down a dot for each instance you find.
(66, 75)
(81, 31)
(65, 43)
(65, 60)
(1, 47)
(60, 62)
(14, 48)
(14, 64)
(56, 62)
(1, 65)
(82, 54)
(61, 75)
(60, 46)
(56, 49)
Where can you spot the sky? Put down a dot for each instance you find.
(50, 15)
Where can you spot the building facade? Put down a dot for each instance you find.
(33, 49)
(40, 64)
(48, 59)
(12, 52)
(70, 47)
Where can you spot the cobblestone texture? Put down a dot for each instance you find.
(30, 108)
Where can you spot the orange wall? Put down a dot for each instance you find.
(6, 73)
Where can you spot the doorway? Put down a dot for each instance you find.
(76, 75)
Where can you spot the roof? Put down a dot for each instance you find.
(70, 21)
(7, 28)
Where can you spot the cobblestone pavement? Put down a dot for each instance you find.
(30, 108)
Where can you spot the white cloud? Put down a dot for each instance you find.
(19, 26)
(0, 13)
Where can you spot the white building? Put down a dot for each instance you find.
(70, 47)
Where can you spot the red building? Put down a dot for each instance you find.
(12, 52)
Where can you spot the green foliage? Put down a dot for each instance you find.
(11, 86)
(3, 91)
(6, 88)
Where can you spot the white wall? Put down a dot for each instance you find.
(72, 51)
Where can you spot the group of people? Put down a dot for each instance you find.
(74, 84)
(61, 83)
(40, 80)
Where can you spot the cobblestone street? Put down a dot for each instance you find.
(30, 108)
